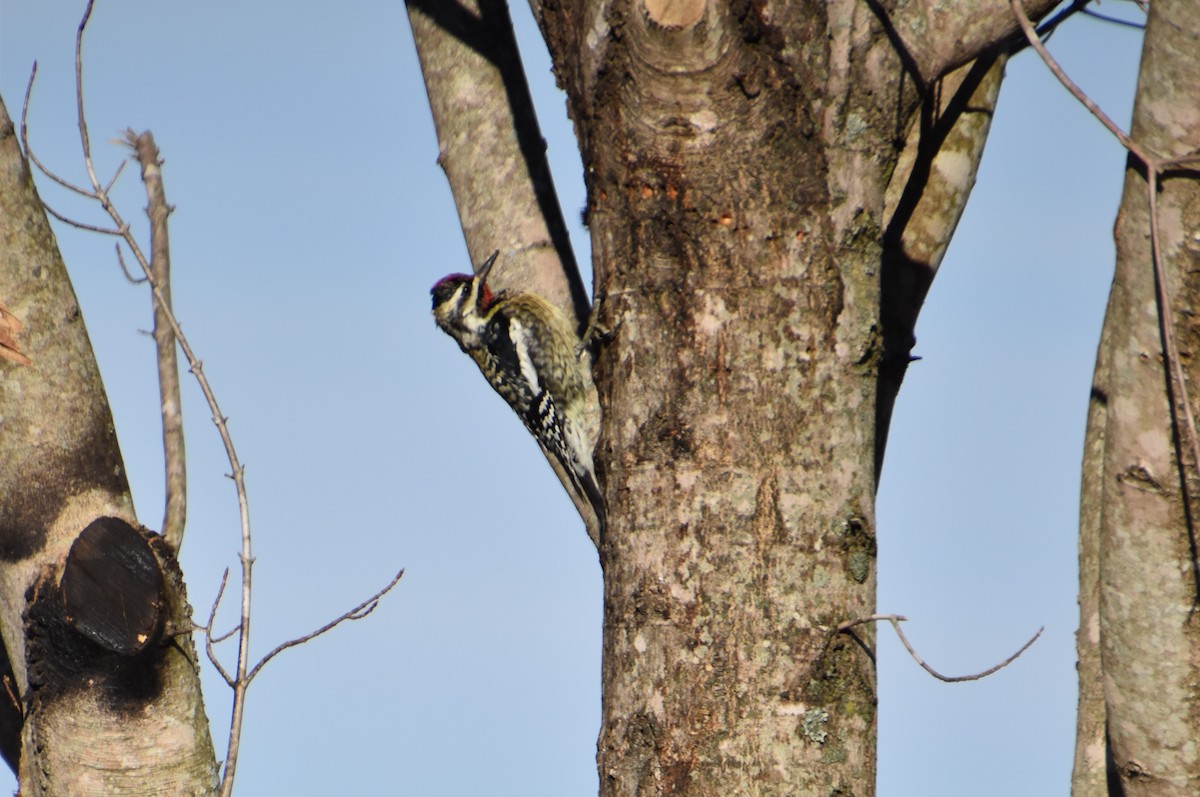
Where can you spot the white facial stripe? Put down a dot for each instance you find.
(528, 372)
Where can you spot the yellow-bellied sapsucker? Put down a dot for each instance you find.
(529, 352)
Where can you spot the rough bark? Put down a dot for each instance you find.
(736, 171)
(106, 711)
(737, 158)
(1149, 640)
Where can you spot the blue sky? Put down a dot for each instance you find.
(311, 220)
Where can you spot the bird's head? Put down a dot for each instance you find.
(460, 302)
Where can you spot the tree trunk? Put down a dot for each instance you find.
(739, 396)
(1146, 630)
(737, 160)
(92, 607)
(737, 157)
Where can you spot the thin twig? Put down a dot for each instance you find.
(1036, 44)
(357, 613)
(208, 637)
(222, 637)
(82, 117)
(846, 626)
(896, 619)
(29, 150)
(12, 695)
(120, 168)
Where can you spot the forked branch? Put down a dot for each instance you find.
(1155, 165)
(357, 613)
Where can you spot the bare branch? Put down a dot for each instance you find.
(484, 115)
(923, 204)
(247, 561)
(175, 463)
(167, 333)
(82, 118)
(896, 619)
(357, 613)
(1183, 160)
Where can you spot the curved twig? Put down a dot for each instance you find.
(896, 619)
(125, 269)
(83, 130)
(29, 153)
